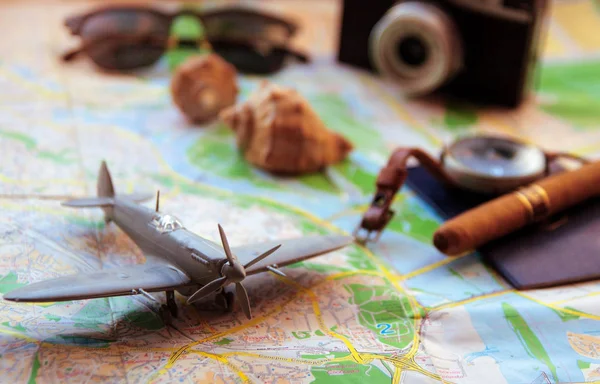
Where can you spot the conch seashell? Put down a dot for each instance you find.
(202, 86)
(277, 130)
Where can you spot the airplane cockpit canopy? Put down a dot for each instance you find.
(166, 223)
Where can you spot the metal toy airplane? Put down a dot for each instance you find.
(178, 260)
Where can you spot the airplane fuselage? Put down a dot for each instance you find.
(163, 236)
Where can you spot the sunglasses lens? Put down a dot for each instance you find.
(122, 56)
(248, 60)
(125, 39)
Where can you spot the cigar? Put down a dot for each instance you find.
(513, 211)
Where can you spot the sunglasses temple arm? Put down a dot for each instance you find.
(302, 57)
(72, 53)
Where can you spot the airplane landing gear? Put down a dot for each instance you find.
(171, 304)
(165, 315)
(169, 311)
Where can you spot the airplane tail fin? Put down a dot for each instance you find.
(105, 185)
(106, 195)
(105, 198)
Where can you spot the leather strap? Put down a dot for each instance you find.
(389, 181)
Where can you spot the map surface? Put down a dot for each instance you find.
(397, 311)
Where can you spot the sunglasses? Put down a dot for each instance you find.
(132, 37)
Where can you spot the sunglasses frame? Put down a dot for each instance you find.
(75, 24)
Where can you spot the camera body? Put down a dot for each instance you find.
(483, 51)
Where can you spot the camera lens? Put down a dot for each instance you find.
(412, 51)
(417, 46)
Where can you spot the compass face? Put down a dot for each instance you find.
(490, 164)
(495, 157)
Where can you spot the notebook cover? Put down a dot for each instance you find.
(564, 250)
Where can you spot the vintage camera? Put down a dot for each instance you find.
(484, 51)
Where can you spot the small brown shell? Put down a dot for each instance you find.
(202, 86)
(277, 130)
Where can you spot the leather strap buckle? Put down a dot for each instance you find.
(376, 218)
(389, 181)
(370, 230)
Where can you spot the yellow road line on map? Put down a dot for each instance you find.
(8, 180)
(430, 267)
(397, 107)
(30, 85)
(278, 358)
(577, 19)
(224, 360)
(340, 275)
(406, 193)
(129, 348)
(8, 204)
(318, 314)
(146, 349)
(552, 45)
(176, 191)
(497, 123)
(139, 138)
(42, 121)
(587, 150)
(358, 209)
(558, 308)
(592, 294)
(291, 360)
(400, 364)
(17, 334)
(469, 300)
(404, 363)
(397, 376)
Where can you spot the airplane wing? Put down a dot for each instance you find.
(150, 277)
(291, 251)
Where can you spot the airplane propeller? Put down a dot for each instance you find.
(232, 272)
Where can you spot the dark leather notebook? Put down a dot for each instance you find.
(566, 249)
